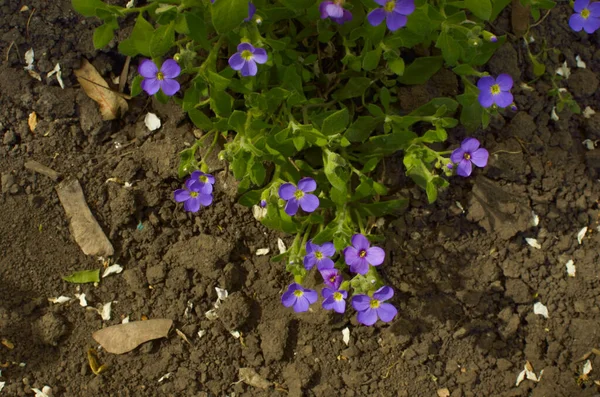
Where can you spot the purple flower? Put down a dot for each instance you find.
(335, 10)
(299, 297)
(251, 12)
(360, 255)
(155, 79)
(332, 278)
(201, 182)
(191, 198)
(469, 152)
(495, 91)
(298, 196)
(393, 11)
(246, 59)
(263, 203)
(319, 255)
(586, 17)
(334, 299)
(369, 309)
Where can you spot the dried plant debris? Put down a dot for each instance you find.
(60, 299)
(58, 73)
(346, 335)
(541, 309)
(123, 338)
(571, 270)
(581, 235)
(250, 377)
(528, 373)
(112, 269)
(112, 105)
(533, 242)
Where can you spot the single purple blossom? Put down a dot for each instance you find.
(319, 255)
(155, 79)
(469, 152)
(299, 196)
(251, 12)
(246, 59)
(495, 91)
(263, 203)
(493, 39)
(369, 309)
(335, 11)
(201, 182)
(360, 255)
(586, 16)
(334, 299)
(394, 12)
(332, 278)
(298, 297)
(191, 198)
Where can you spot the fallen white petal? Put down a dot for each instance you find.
(29, 58)
(581, 235)
(553, 114)
(60, 299)
(564, 71)
(588, 112)
(535, 219)
(58, 75)
(571, 270)
(526, 87)
(281, 246)
(201, 333)
(211, 314)
(540, 309)
(235, 334)
(105, 312)
(346, 335)
(262, 251)
(2, 385)
(152, 122)
(130, 4)
(589, 144)
(45, 392)
(259, 212)
(580, 63)
(167, 375)
(125, 320)
(188, 309)
(222, 294)
(520, 378)
(533, 242)
(112, 270)
(587, 367)
(82, 300)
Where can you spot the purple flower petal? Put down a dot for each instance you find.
(291, 207)
(181, 195)
(367, 317)
(251, 12)
(236, 61)
(395, 21)
(375, 256)
(504, 81)
(323, 9)
(331, 278)
(384, 293)
(147, 69)
(376, 16)
(591, 25)
(594, 10)
(504, 99)
(151, 86)
(576, 22)
(205, 199)
(310, 247)
(287, 191)
(346, 18)
(328, 249)
(327, 292)
(201, 187)
(361, 266)
(405, 7)
(301, 305)
(580, 5)
(334, 10)
(360, 242)
(245, 47)
(192, 205)
(464, 168)
(249, 68)
(386, 312)
(485, 98)
(469, 145)
(170, 87)
(361, 302)
(311, 295)
(480, 157)
(457, 155)
(170, 69)
(485, 83)
(309, 202)
(325, 263)
(381, 2)
(339, 306)
(288, 298)
(307, 185)
(309, 261)
(260, 56)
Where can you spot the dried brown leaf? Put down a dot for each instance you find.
(252, 378)
(32, 121)
(112, 105)
(123, 338)
(443, 392)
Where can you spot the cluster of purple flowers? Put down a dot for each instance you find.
(197, 191)
(359, 257)
(395, 12)
(586, 16)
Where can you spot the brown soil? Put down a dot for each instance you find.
(466, 281)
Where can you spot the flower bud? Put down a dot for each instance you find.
(488, 36)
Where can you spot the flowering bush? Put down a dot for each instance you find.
(305, 93)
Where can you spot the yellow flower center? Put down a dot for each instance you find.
(247, 55)
(299, 194)
(495, 89)
(298, 293)
(374, 304)
(467, 156)
(362, 253)
(160, 76)
(585, 13)
(338, 296)
(389, 6)
(332, 279)
(193, 194)
(319, 255)
(203, 178)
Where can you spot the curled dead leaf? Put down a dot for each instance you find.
(112, 105)
(123, 338)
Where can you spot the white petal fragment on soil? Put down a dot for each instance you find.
(165, 376)
(45, 392)
(60, 299)
(211, 315)
(541, 309)
(112, 269)
(553, 114)
(2, 385)
(222, 294)
(589, 144)
(201, 333)
(443, 392)
(130, 4)
(58, 75)
(529, 374)
(262, 251)
(346, 335)
(533, 242)
(580, 63)
(82, 300)
(259, 212)
(564, 70)
(571, 270)
(581, 235)
(250, 377)
(587, 367)
(235, 334)
(123, 338)
(535, 219)
(105, 311)
(588, 112)
(125, 320)
(152, 122)
(29, 59)
(281, 246)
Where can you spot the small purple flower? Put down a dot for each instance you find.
(332, 278)
(586, 16)
(201, 182)
(334, 299)
(319, 255)
(495, 91)
(299, 196)
(155, 79)
(263, 203)
(335, 10)
(369, 309)
(394, 12)
(246, 59)
(191, 198)
(469, 152)
(298, 297)
(493, 39)
(251, 12)
(360, 255)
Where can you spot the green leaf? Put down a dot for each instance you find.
(421, 70)
(217, 81)
(336, 122)
(162, 40)
(481, 8)
(221, 103)
(337, 174)
(136, 86)
(355, 87)
(138, 42)
(88, 8)
(83, 276)
(103, 35)
(237, 121)
(197, 30)
(465, 70)
(200, 120)
(397, 66)
(187, 161)
(450, 48)
(382, 208)
(361, 129)
(257, 172)
(228, 14)
(371, 59)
